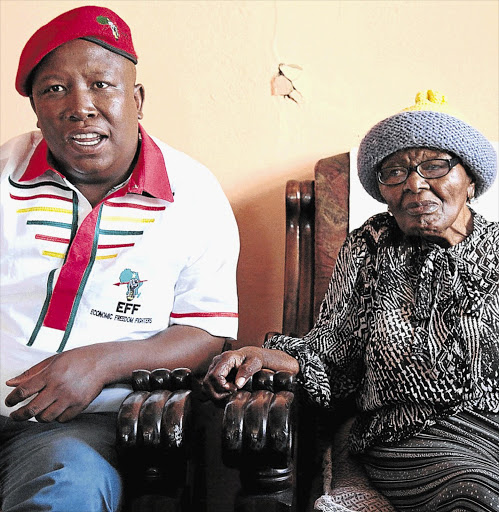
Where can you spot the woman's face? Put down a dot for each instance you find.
(432, 208)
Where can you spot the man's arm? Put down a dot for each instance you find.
(65, 384)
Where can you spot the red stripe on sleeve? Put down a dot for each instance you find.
(204, 315)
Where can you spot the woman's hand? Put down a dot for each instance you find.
(231, 370)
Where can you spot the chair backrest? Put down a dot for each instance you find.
(285, 479)
(316, 226)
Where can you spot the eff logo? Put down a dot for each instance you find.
(133, 283)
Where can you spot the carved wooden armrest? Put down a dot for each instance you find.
(153, 425)
(258, 432)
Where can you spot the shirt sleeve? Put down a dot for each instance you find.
(206, 292)
(330, 355)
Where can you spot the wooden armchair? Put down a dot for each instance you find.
(311, 459)
(169, 446)
(154, 441)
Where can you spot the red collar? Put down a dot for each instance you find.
(149, 174)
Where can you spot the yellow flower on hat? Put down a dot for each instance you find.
(429, 100)
(434, 101)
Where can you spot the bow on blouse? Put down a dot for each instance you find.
(458, 288)
(448, 279)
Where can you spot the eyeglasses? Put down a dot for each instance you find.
(429, 170)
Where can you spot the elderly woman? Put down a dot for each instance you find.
(410, 323)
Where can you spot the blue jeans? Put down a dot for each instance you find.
(59, 467)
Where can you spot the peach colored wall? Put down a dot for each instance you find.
(207, 68)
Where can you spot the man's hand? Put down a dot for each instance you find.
(61, 386)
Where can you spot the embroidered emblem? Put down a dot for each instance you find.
(104, 20)
(133, 282)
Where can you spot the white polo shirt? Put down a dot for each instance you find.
(161, 249)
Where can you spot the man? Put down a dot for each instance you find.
(117, 253)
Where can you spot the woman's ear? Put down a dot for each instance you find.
(471, 192)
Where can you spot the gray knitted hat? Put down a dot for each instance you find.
(426, 125)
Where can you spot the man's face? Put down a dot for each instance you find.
(88, 106)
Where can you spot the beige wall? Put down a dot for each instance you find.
(207, 68)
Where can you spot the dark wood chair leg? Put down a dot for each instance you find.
(257, 438)
(154, 439)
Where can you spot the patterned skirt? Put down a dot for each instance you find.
(452, 466)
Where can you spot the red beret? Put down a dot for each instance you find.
(96, 24)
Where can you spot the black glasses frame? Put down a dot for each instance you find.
(452, 162)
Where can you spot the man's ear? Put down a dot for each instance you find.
(139, 96)
(32, 103)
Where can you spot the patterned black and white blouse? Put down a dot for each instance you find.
(408, 327)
